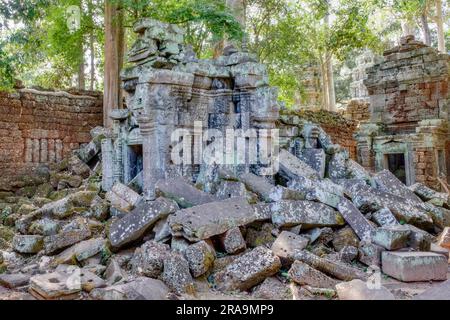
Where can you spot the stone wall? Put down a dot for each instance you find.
(357, 110)
(339, 129)
(41, 127)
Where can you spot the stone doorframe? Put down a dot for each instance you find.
(384, 148)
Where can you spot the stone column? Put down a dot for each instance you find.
(152, 166)
(107, 164)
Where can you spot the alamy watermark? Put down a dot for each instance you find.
(228, 147)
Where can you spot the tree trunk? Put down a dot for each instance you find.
(91, 49)
(408, 28)
(238, 8)
(325, 96)
(81, 75)
(114, 52)
(425, 29)
(330, 84)
(440, 26)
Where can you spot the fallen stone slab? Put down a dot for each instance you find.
(134, 225)
(259, 185)
(200, 256)
(262, 211)
(387, 181)
(384, 217)
(55, 285)
(332, 268)
(28, 243)
(355, 219)
(248, 270)
(232, 241)
(183, 193)
(123, 197)
(292, 167)
(359, 290)
(114, 274)
(148, 260)
(440, 250)
(289, 213)
(337, 166)
(414, 266)
(272, 289)
(303, 274)
(330, 199)
(78, 167)
(231, 189)
(391, 237)
(64, 239)
(419, 239)
(286, 244)
(80, 251)
(207, 220)
(427, 194)
(348, 254)
(440, 291)
(12, 281)
(141, 288)
(315, 158)
(176, 275)
(344, 237)
(444, 238)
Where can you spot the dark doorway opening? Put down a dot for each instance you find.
(135, 160)
(396, 165)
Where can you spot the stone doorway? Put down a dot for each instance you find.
(395, 162)
(135, 162)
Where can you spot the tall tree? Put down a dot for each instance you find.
(113, 55)
(440, 26)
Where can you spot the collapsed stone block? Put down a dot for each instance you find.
(200, 257)
(27, 243)
(391, 237)
(344, 237)
(384, 217)
(444, 238)
(292, 167)
(355, 219)
(176, 274)
(427, 194)
(207, 220)
(248, 270)
(183, 193)
(289, 213)
(55, 285)
(387, 181)
(142, 288)
(303, 274)
(316, 159)
(122, 197)
(440, 291)
(64, 239)
(148, 260)
(80, 251)
(12, 281)
(232, 241)
(414, 266)
(286, 244)
(133, 225)
(370, 254)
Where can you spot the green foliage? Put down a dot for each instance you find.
(6, 71)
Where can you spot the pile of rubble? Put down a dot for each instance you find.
(312, 234)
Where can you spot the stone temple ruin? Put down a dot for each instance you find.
(135, 224)
(169, 88)
(409, 103)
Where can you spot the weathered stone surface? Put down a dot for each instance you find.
(286, 244)
(44, 227)
(27, 243)
(200, 256)
(232, 241)
(148, 260)
(55, 285)
(12, 281)
(335, 269)
(183, 193)
(78, 167)
(355, 219)
(370, 254)
(176, 274)
(348, 253)
(141, 288)
(337, 166)
(114, 273)
(80, 251)
(122, 197)
(133, 225)
(162, 230)
(414, 266)
(179, 244)
(427, 194)
(262, 211)
(439, 291)
(231, 189)
(391, 237)
(289, 213)
(344, 237)
(444, 238)
(258, 185)
(248, 270)
(419, 239)
(64, 239)
(384, 217)
(440, 250)
(316, 159)
(387, 181)
(260, 236)
(207, 220)
(273, 289)
(359, 290)
(303, 274)
(292, 167)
